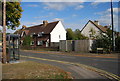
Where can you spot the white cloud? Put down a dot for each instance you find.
(67, 0)
(74, 15)
(108, 11)
(31, 23)
(45, 16)
(61, 5)
(74, 25)
(81, 1)
(79, 7)
(56, 6)
(95, 3)
(105, 17)
(32, 5)
(58, 19)
(101, 0)
(115, 10)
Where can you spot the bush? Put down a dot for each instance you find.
(117, 43)
(27, 41)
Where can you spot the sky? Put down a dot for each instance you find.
(73, 15)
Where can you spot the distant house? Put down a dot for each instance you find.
(45, 35)
(93, 29)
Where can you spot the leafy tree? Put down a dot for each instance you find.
(117, 43)
(27, 41)
(78, 35)
(70, 34)
(13, 14)
(105, 41)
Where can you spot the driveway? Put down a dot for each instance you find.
(106, 64)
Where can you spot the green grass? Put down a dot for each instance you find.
(33, 70)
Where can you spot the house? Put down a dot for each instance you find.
(93, 29)
(44, 35)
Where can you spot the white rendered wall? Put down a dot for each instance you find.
(89, 26)
(59, 30)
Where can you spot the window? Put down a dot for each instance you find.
(32, 43)
(32, 34)
(40, 43)
(59, 37)
(40, 34)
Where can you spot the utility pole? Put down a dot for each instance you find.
(113, 34)
(4, 56)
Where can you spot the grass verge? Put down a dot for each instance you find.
(33, 70)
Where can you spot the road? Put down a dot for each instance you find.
(107, 64)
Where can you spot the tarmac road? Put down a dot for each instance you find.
(107, 64)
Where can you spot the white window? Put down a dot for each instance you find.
(32, 43)
(40, 43)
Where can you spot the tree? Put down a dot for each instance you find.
(13, 14)
(78, 35)
(105, 41)
(70, 34)
(117, 43)
(27, 41)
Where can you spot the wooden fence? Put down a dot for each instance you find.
(76, 45)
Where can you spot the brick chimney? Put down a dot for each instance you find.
(96, 22)
(45, 23)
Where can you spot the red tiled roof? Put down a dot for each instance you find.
(40, 28)
(100, 27)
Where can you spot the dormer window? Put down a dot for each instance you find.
(32, 34)
(40, 34)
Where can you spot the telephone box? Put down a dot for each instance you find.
(12, 47)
